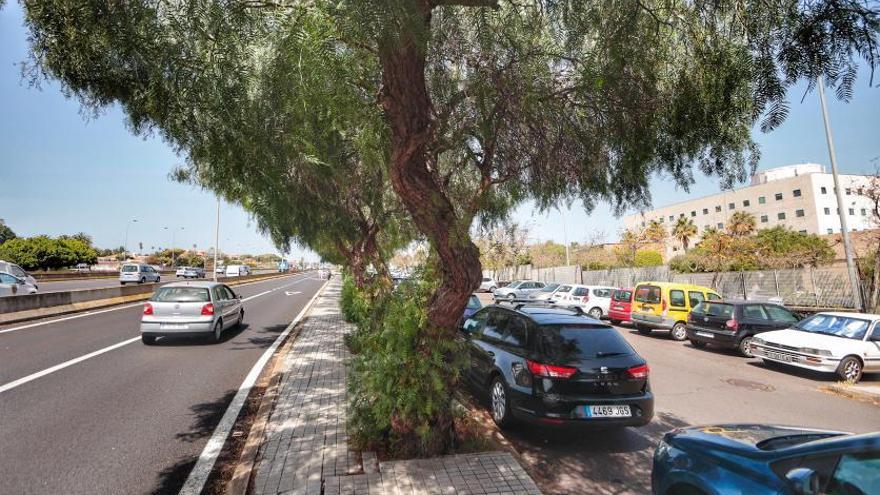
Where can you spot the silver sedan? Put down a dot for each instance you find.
(191, 309)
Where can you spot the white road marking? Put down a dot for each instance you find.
(292, 292)
(29, 378)
(197, 478)
(117, 308)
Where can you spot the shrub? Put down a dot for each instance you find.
(648, 257)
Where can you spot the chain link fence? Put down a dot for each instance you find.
(826, 288)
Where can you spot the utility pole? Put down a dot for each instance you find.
(125, 239)
(173, 231)
(844, 231)
(216, 238)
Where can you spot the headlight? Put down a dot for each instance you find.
(756, 340)
(817, 352)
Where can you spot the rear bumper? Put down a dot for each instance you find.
(723, 339)
(187, 328)
(543, 412)
(652, 321)
(619, 315)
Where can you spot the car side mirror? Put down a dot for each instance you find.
(803, 481)
(467, 327)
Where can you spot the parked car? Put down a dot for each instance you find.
(473, 305)
(180, 271)
(191, 272)
(138, 273)
(14, 285)
(847, 344)
(82, 267)
(594, 300)
(237, 270)
(765, 460)
(488, 284)
(180, 309)
(220, 270)
(518, 289)
(666, 305)
(621, 306)
(545, 293)
(733, 324)
(17, 271)
(555, 366)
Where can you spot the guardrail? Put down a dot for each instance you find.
(52, 277)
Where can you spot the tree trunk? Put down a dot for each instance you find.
(875, 284)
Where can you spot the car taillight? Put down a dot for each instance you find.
(549, 370)
(732, 324)
(208, 310)
(585, 298)
(148, 309)
(663, 306)
(639, 371)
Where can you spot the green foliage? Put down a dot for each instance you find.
(44, 252)
(648, 257)
(354, 303)
(5, 232)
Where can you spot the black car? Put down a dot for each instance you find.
(555, 366)
(732, 324)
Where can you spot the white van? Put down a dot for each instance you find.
(237, 270)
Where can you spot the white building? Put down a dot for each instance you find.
(800, 196)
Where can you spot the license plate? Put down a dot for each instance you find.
(173, 326)
(706, 334)
(781, 357)
(607, 411)
(620, 308)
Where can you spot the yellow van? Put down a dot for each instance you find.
(666, 306)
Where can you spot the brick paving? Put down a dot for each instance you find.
(306, 452)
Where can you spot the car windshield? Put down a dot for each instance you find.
(567, 343)
(181, 294)
(474, 303)
(836, 325)
(130, 268)
(549, 288)
(721, 310)
(648, 294)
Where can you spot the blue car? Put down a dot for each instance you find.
(763, 460)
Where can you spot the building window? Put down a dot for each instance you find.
(796, 193)
(671, 218)
(781, 215)
(830, 231)
(720, 225)
(746, 202)
(778, 196)
(761, 200)
(798, 213)
(804, 231)
(852, 211)
(763, 218)
(731, 206)
(706, 227)
(864, 212)
(693, 213)
(717, 208)
(681, 215)
(824, 190)
(827, 211)
(661, 219)
(705, 211)
(848, 191)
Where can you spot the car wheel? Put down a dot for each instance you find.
(643, 330)
(698, 344)
(511, 296)
(850, 369)
(157, 279)
(745, 346)
(595, 313)
(218, 331)
(615, 322)
(678, 332)
(500, 402)
(143, 280)
(148, 339)
(240, 321)
(493, 289)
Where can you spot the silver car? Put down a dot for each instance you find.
(11, 285)
(191, 309)
(138, 273)
(518, 289)
(17, 271)
(190, 272)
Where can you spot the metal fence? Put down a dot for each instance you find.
(801, 287)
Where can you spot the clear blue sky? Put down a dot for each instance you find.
(61, 173)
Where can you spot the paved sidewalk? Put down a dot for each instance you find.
(306, 448)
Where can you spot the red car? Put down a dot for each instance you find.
(621, 305)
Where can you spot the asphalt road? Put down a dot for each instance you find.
(135, 418)
(691, 387)
(99, 283)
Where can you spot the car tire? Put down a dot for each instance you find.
(615, 322)
(217, 333)
(850, 369)
(643, 330)
(148, 339)
(240, 320)
(698, 344)
(499, 403)
(143, 280)
(158, 279)
(511, 296)
(744, 347)
(595, 313)
(678, 332)
(493, 289)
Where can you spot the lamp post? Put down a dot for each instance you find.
(216, 238)
(173, 231)
(844, 231)
(125, 239)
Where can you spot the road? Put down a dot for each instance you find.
(691, 387)
(135, 418)
(99, 283)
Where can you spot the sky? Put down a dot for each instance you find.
(61, 173)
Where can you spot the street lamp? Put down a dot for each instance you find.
(216, 238)
(125, 239)
(173, 230)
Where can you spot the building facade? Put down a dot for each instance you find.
(801, 197)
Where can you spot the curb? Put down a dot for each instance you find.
(852, 392)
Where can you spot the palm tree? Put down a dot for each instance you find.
(656, 232)
(741, 224)
(683, 230)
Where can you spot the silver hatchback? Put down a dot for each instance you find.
(191, 309)
(138, 273)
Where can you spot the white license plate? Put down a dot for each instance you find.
(607, 411)
(173, 326)
(706, 334)
(781, 357)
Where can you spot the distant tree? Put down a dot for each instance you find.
(872, 192)
(5, 232)
(648, 257)
(741, 223)
(683, 231)
(503, 246)
(45, 253)
(782, 247)
(547, 254)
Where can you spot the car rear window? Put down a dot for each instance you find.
(181, 294)
(130, 268)
(474, 303)
(622, 295)
(722, 310)
(648, 294)
(566, 343)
